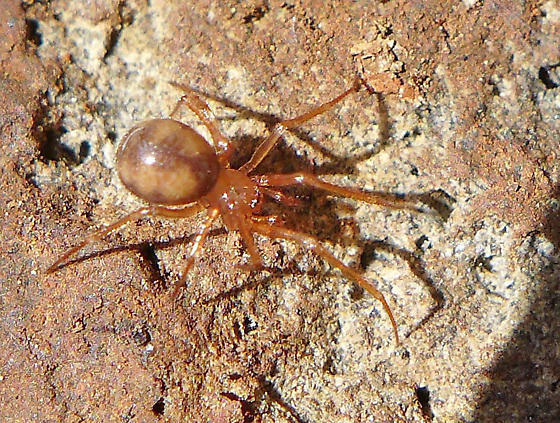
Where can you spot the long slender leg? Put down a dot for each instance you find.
(313, 244)
(264, 148)
(196, 248)
(135, 215)
(280, 196)
(247, 237)
(308, 179)
(201, 109)
(271, 219)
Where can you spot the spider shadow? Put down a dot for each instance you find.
(283, 159)
(369, 253)
(146, 250)
(417, 267)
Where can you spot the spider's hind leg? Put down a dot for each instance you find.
(311, 243)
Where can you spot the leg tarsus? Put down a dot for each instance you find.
(247, 237)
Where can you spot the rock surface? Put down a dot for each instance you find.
(466, 116)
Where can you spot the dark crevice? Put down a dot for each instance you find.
(151, 260)
(440, 201)
(235, 376)
(49, 132)
(548, 78)
(125, 18)
(249, 324)
(112, 136)
(237, 330)
(484, 262)
(423, 243)
(256, 15)
(423, 396)
(159, 407)
(32, 32)
(356, 292)
(329, 366)
(141, 335)
(52, 149)
(84, 151)
(369, 254)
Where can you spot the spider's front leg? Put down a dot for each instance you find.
(264, 147)
(201, 109)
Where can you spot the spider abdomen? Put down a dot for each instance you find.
(166, 162)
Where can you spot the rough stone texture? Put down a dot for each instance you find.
(467, 117)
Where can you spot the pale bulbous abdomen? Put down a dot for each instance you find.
(166, 162)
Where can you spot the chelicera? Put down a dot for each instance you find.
(179, 174)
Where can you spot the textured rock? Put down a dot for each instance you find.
(467, 118)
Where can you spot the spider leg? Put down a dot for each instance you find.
(249, 242)
(280, 128)
(271, 219)
(135, 215)
(280, 196)
(311, 243)
(302, 178)
(201, 109)
(196, 249)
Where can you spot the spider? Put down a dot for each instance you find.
(179, 174)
